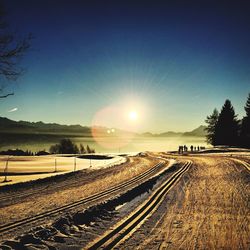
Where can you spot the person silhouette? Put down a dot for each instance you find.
(191, 147)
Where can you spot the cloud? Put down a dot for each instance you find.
(12, 110)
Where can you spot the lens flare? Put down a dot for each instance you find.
(110, 129)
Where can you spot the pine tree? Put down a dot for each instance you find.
(226, 130)
(88, 149)
(211, 121)
(245, 126)
(247, 107)
(66, 146)
(82, 149)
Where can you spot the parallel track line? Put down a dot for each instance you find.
(120, 231)
(244, 163)
(135, 180)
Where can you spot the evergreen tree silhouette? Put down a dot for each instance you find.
(226, 130)
(82, 149)
(88, 149)
(245, 126)
(211, 121)
(66, 146)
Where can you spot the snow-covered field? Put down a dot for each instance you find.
(26, 168)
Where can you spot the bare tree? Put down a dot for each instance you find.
(12, 50)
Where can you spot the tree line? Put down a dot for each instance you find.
(225, 128)
(66, 146)
(20, 152)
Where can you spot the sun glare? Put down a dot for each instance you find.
(133, 115)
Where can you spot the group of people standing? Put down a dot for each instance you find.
(184, 148)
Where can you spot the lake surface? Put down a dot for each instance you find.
(118, 146)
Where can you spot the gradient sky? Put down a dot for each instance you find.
(172, 61)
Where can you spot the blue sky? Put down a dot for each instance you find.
(173, 62)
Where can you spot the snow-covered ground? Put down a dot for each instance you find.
(26, 168)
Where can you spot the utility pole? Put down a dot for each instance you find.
(75, 164)
(55, 165)
(6, 170)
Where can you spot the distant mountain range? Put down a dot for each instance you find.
(10, 126)
(25, 127)
(200, 131)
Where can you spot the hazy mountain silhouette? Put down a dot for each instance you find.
(200, 131)
(10, 126)
(21, 127)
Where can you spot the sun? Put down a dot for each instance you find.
(133, 115)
